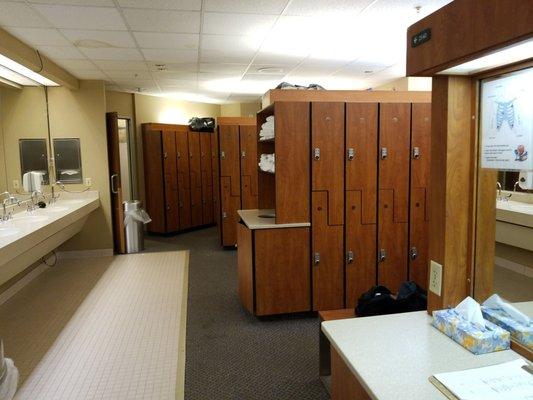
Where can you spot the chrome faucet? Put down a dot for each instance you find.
(34, 200)
(515, 185)
(6, 216)
(498, 191)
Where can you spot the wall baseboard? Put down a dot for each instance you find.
(21, 283)
(63, 255)
(513, 266)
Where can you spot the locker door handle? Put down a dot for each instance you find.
(243, 154)
(224, 215)
(180, 204)
(351, 154)
(165, 155)
(349, 257)
(316, 154)
(413, 253)
(382, 256)
(222, 155)
(384, 153)
(416, 153)
(114, 189)
(178, 155)
(168, 207)
(316, 258)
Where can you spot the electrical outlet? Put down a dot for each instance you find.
(88, 182)
(16, 184)
(435, 277)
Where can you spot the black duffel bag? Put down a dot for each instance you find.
(202, 124)
(379, 300)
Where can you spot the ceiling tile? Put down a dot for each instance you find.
(250, 6)
(90, 74)
(175, 67)
(21, 15)
(225, 57)
(207, 76)
(190, 83)
(180, 75)
(237, 24)
(103, 3)
(236, 69)
(179, 41)
(263, 77)
(40, 36)
(112, 54)
(275, 69)
(170, 56)
(73, 65)
(189, 5)
(76, 17)
(61, 52)
(113, 38)
(131, 75)
(163, 20)
(128, 65)
(230, 43)
(321, 7)
(144, 83)
(275, 58)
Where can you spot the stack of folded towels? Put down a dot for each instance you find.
(267, 163)
(267, 129)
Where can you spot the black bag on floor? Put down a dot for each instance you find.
(377, 301)
(411, 297)
(202, 124)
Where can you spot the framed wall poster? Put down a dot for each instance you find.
(507, 121)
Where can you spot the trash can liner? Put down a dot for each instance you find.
(9, 382)
(136, 215)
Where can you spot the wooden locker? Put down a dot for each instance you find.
(419, 216)
(207, 178)
(196, 178)
(327, 257)
(184, 179)
(229, 217)
(154, 179)
(393, 194)
(327, 146)
(215, 177)
(171, 180)
(248, 146)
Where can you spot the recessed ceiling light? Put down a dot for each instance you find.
(270, 70)
(92, 44)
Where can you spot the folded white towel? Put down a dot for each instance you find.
(267, 163)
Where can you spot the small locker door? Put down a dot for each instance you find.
(230, 188)
(393, 203)
(207, 178)
(361, 197)
(196, 178)
(216, 178)
(154, 179)
(184, 180)
(171, 181)
(419, 216)
(248, 142)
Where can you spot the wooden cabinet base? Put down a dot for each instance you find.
(344, 384)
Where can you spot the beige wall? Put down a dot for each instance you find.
(240, 109)
(250, 109)
(81, 113)
(407, 83)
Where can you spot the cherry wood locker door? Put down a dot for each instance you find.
(360, 239)
(229, 217)
(248, 143)
(327, 257)
(327, 146)
(154, 179)
(171, 180)
(419, 216)
(184, 179)
(207, 178)
(230, 157)
(216, 178)
(196, 178)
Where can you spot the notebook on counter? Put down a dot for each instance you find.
(512, 380)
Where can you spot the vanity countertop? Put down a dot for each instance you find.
(254, 220)
(393, 356)
(515, 212)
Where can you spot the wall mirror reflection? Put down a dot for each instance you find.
(33, 163)
(67, 156)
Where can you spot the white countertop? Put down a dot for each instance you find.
(393, 356)
(515, 212)
(254, 220)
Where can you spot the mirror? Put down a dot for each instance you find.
(24, 141)
(68, 160)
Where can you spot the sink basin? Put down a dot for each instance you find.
(8, 231)
(31, 218)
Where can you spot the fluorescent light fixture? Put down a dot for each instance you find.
(508, 55)
(27, 73)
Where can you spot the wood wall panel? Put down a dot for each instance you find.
(184, 179)
(230, 156)
(282, 278)
(327, 135)
(361, 172)
(327, 241)
(361, 273)
(154, 179)
(245, 267)
(229, 205)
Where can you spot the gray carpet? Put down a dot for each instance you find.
(231, 354)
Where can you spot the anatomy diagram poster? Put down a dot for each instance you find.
(507, 122)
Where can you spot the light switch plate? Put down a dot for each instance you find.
(88, 182)
(435, 277)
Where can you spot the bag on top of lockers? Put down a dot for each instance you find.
(202, 124)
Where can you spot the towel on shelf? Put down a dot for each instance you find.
(267, 163)
(267, 129)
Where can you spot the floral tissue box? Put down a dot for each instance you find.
(520, 332)
(471, 336)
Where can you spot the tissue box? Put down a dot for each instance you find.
(520, 332)
(469, 335)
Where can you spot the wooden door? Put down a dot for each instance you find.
(419, 216)
(184, 179)
(170, 171)
(119, 238)
(248, 143)
(207, 178)
(393, 203)
(230, 187)
(196, 178)
(361, 197)
(327, 257)
(154, 178)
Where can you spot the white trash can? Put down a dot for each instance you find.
(9, 376)
(134, 219)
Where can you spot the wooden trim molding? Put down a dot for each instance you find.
(236, 121)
